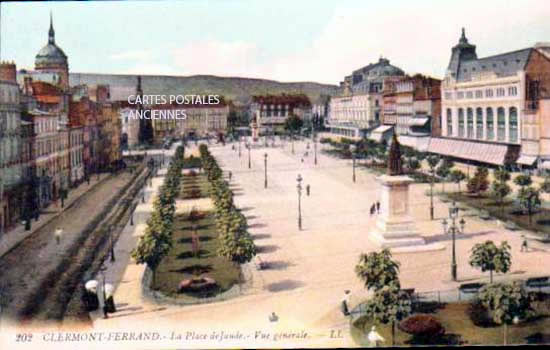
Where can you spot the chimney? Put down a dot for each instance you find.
(8, 71)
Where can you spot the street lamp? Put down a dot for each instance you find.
(315, 150)
(111, 229)
(265, 170)
(353, 148)
(102, 270)
(240, 138)
(249, 146)
(299, 188)
(453, 229)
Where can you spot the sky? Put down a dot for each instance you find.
(285, 40)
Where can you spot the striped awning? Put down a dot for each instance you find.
(417, 121)
(378, 133)
(481, 152)
(527, 160)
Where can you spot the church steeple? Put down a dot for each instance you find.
(51, 32)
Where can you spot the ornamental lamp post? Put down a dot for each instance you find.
(249, 147)
(453, 229)
(353, 149)
(102, 270)
(299, 188)
(240, 139)
(111, 229)
(315, 150)
(265, 170)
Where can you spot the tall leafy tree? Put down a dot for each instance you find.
(457, 176)
(443, 171)
(293, 123)
(388, 305)
(432, 161)
(529, 199)
(479, 182)
(523, 180)
(489, 257)
(506, 301)
(377, 269)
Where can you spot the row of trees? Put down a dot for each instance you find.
(156, 242)
(234, 241)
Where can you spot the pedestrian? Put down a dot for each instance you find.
(524, 247)
(302, 160)
(344, 306)
(374, 337)
(307, 190)
(58, 233)
(273, 317)
(372, 210)
(230, 175)
(378, 207)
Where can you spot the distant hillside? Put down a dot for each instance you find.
(237, 89)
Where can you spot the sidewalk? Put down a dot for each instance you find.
(11, 238)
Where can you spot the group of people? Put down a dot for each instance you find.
(375, 208)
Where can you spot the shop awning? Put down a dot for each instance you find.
(481, 152)
(527, 160)
(378, 133)
(546, 165)
(418, 121)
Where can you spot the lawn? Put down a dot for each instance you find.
(461, 330)
(194, 186)
(181, 263)
(508, 211)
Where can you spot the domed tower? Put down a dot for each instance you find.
(52, 59)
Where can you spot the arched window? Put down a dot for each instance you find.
(460, 122)
(490, 123)
(513, 124)
(470, 114)
(501, 124)
(449, 122)
(479, 123)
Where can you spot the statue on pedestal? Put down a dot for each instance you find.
(395, 163)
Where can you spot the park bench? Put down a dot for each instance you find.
(538, 282)
(470, 287)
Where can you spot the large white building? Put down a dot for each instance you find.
(484, 105)
(357, 112)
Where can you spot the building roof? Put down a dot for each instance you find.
(50, 54)
(42, 88)
(502, 65)
(283, 99)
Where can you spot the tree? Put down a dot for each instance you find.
(500, 188)
(529, 199)
(523, 180)
(151, 249)
(443, 171)
(479, 182)
(488, 257)
(389, 305)
(424, 328)
(293, 123)
(505, 302)
(545, 186)
(457, 176)
(378, 269)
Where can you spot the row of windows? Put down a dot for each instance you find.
(487, 93)
(466, 123)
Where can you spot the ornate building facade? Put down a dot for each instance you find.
(485, 105)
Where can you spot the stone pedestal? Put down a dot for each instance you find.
(394, 225)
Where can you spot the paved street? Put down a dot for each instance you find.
(23, 268)
(310, 268)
